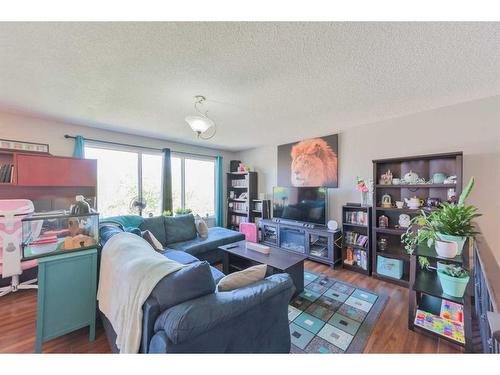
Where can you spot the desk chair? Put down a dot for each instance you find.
(12, 211)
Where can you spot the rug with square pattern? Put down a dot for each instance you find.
(332, 316)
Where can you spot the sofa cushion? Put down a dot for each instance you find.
(190, 282)
(152, 240)
(201, 227)
(217, 236)
(179, 228)
(155, 225)
(243, 278)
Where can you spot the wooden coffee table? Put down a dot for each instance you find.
(278, 261)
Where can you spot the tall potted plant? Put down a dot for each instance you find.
(449, 223)
(454, 222)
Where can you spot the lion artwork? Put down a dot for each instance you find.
(314, 163)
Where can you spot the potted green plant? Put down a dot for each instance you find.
(447, 227)
(454, 280)
(183, 211)
(454, 222)
(422, 229)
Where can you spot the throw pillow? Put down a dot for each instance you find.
(201, 227)
(242, 278)
(153, 241)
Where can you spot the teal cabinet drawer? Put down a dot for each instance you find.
(66, 295)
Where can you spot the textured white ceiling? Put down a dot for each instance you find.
(266, 83)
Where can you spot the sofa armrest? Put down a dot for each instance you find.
(192, 318)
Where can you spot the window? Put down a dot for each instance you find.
(121, 181)
(193, 184)
(152, 168)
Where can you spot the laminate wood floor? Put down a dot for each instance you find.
(390, 335)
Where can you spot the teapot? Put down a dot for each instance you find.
(410, 177)
(439, 178)
(414, 202)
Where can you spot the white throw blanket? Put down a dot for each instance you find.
(130, 269)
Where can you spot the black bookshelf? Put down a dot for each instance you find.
(241, 199)
(425, 166)
(357, 219)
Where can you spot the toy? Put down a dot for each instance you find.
(77, 242)
(440, 325)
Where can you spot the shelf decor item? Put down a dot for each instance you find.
(410, 177)
(453, 280)
(8, 144)
(386, 201)
(386, 178)
(438, 178)
(414, 203)
(383, 221)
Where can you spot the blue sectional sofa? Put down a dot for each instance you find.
(185, 314)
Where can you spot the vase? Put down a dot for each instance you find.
(364, 198)
(460, 241)
(446, 249)
(453, 286)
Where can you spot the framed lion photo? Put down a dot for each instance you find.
(310, 162)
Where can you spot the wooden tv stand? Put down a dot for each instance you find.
(317, 243)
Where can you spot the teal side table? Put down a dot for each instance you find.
(66, 295)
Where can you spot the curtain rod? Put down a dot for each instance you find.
(67, 136)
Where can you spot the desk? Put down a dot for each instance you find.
(66, 295)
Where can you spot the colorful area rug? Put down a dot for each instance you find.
(331, 316)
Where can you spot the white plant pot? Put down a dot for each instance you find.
(446, 249)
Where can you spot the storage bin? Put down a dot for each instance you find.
(390, 267)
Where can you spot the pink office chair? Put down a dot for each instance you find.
(12, 211)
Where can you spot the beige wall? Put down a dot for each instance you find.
(472, 127)
(28, 128)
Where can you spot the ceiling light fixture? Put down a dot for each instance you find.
(201, 123)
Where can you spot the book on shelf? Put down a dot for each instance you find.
(356, 217)
(355, 238)
(356, 257)
(239, 183)
(239, 206)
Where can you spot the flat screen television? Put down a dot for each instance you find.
(304, 204)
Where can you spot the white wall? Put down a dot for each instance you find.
(472, 127)
(28, 128)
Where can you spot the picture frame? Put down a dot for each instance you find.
(22, 146)
(309, 162)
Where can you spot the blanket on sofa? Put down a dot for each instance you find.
(130, 269)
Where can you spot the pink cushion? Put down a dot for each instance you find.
(249, 230)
